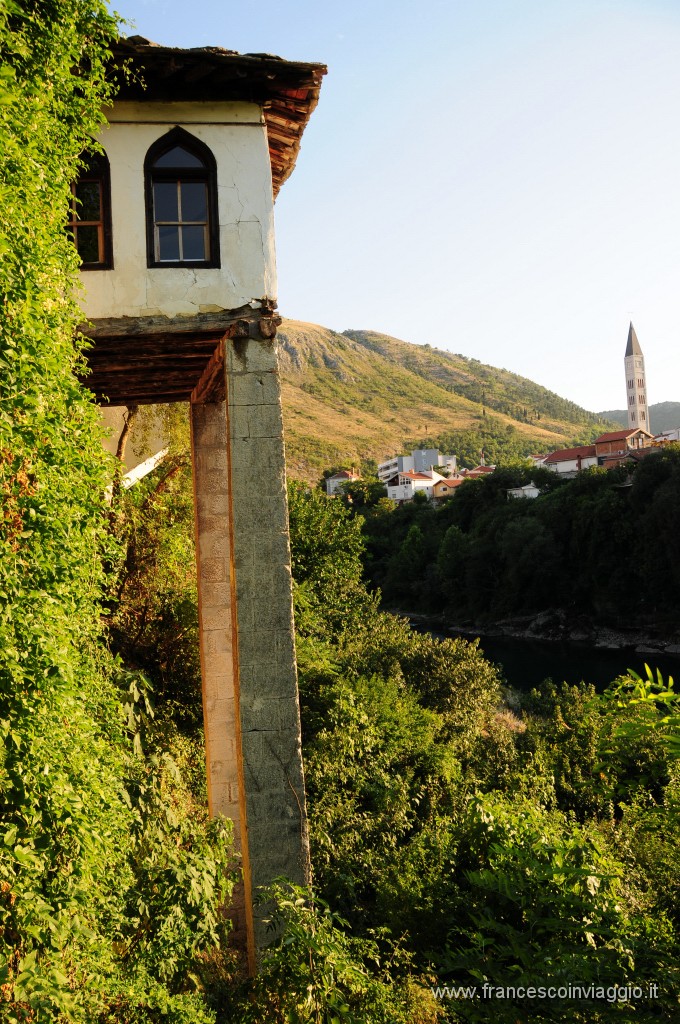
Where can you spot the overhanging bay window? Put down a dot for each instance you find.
(181, 203)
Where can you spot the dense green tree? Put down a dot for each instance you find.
(600, 545)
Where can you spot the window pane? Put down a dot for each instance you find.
(194, 201)
(89, 205)
(88, 244)
(178, 157)
(168, 243)
(193, 243)
(165, 200)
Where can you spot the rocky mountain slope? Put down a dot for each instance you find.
(360, 396)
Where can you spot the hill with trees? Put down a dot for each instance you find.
(357, 397)
(662, 416)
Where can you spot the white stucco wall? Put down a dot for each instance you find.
(236, 135)
(399, 492)
(527, 491)
(572, 465)
(406, 489)
(397, 464)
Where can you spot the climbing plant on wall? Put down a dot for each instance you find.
(110, 881)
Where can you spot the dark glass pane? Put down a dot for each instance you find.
(94, 165)
(178, 157)
(168, 243)
(88, 244)
(165, 200)
(193, 243)
(194, 201)
(88, 194)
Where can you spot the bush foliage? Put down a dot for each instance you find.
(111, 878)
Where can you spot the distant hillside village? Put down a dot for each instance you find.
(404, 476)
(426, 471)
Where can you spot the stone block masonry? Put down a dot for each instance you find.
(250, 696)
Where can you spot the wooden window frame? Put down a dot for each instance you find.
(207, 175)
(95, 167)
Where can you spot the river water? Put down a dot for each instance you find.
(526, 663)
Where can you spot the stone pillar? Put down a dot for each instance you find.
(269, 704)
(250, 697)
(218, 641)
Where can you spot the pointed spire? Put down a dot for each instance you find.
(633, 346)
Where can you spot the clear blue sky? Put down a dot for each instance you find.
(496, 177)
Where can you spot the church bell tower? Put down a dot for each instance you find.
(636, 384)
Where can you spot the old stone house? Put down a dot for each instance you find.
(174, 224)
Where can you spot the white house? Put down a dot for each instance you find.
(334, 483)
(529, 490)
(421, 460)
(397, 464)
(570, 461)
(404, 486)
(174, 219)
(667, 436)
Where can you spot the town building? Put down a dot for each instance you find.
(397, 464)
(419, 461)
(529, 490)
(636, 383)
(481, 470)
(446, 488)
(618, 442)
(629, 457)
(335, 483)
(607, 451)
(570, 461)
(174, 224)
(403, 486)
(668, 436)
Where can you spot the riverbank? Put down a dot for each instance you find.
(553, 627)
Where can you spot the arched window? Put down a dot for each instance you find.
(181, 203)
(89, 218)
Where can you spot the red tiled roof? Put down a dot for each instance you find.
(584, 451)
(642, 453)
(631, 453)
(616, 435)
(414, 476)
(450, 483)
(477, 471)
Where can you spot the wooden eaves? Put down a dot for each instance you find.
(287, 91)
